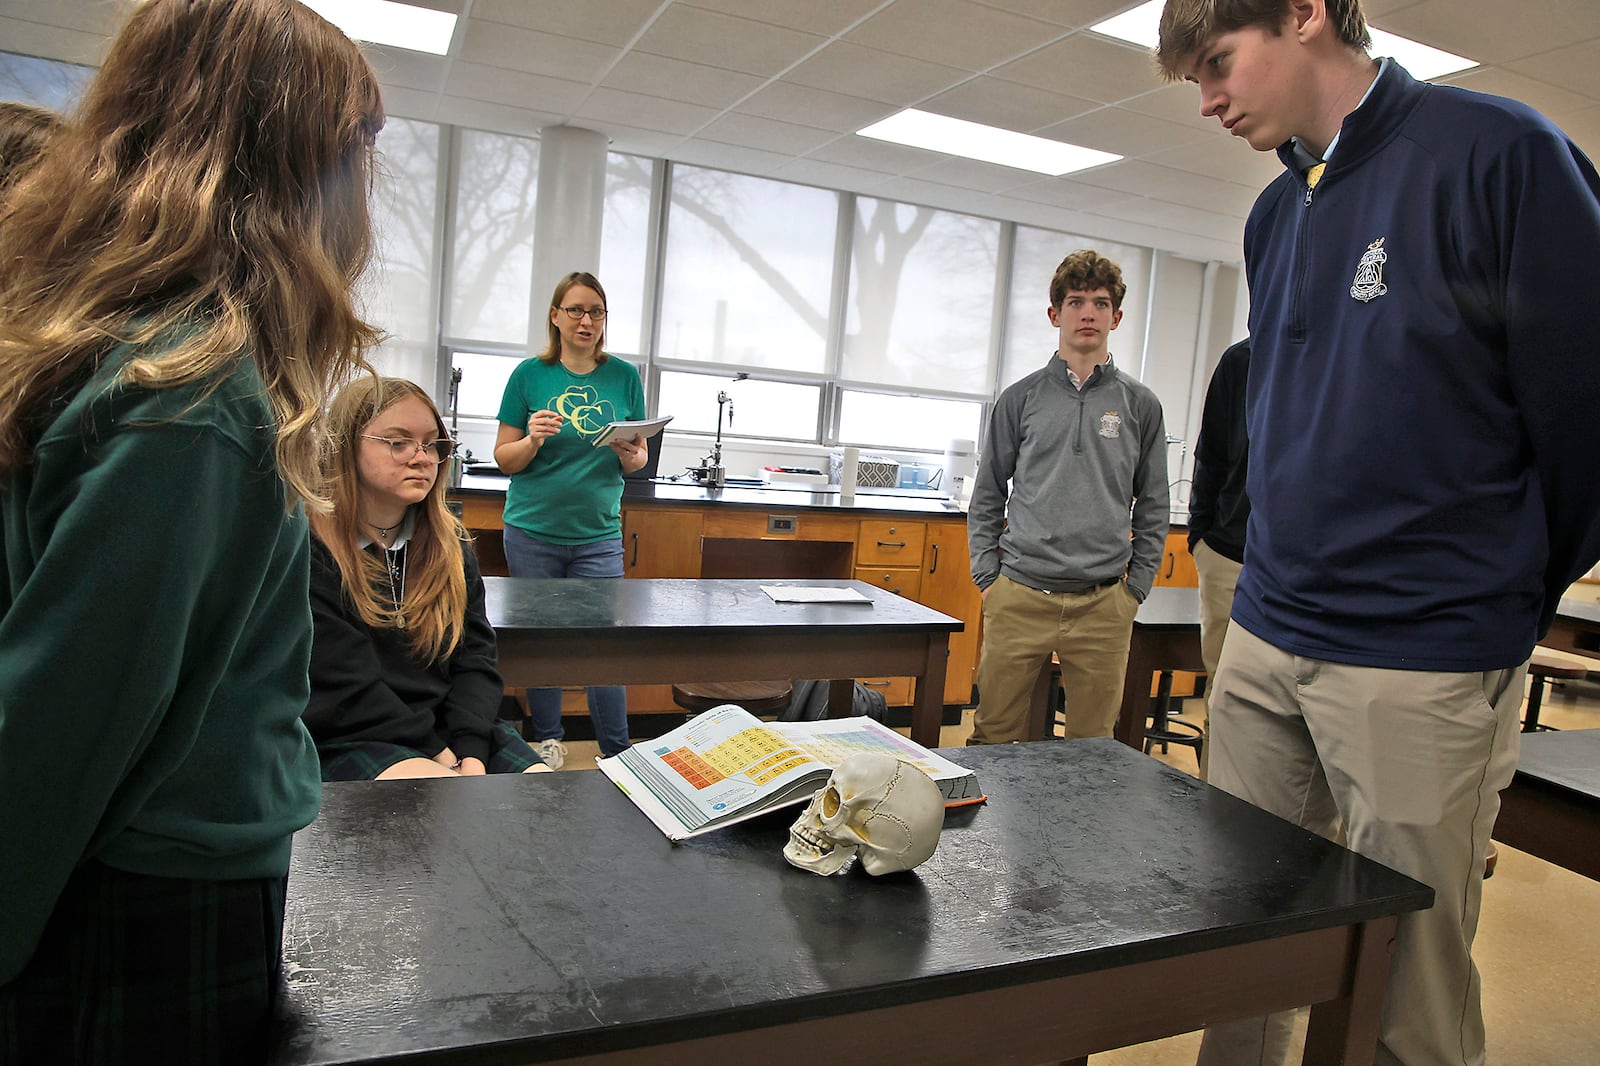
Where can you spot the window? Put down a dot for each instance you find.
(1030, 338)
(624, 247)
(922, 294)
(399, 291)
(775, 409)
(491, 257)
(749, 271)
(483, 382)
(886, 420)
(43, 82)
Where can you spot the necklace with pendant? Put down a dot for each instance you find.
(396, 560)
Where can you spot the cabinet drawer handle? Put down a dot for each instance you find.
(1172, 563)
(935, 567)
(891, 544)
(876, 684)
(635, 550)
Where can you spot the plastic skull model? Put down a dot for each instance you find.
(886, 810)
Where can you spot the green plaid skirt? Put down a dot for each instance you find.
(139, 969)
(366, 759)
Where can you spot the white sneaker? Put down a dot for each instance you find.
(552, 751)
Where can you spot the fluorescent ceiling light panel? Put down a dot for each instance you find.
(420, 29)
(1423, 61)
(1141, 26)
(972, 140)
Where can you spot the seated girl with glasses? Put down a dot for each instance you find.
(403, 677)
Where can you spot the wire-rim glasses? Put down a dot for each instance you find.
(404, 449)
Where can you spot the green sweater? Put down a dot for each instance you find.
(154, 641)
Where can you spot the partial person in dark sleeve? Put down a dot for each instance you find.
(403, 677)
(1219, 508)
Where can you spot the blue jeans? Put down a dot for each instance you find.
(528, 556)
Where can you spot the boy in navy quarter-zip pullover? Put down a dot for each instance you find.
(1422, 465)
(1062, 565)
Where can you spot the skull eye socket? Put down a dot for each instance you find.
(830, 802)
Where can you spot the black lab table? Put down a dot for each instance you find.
(592, 631)
(541, 918)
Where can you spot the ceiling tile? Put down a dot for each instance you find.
(515, 88)
(615, 24)
(789, 102)
(783, 137)
(957, 33)
(866, 72)
(717, 40)
(975, 174)
(1007, 104)
(1183, 219)
(1540, 95)
(693, 83)
(1575, 67)
(830, 18)
(1086, 64)
(1495, 33)
(409, 103)
(52, 42)
(407, 69)
(1067, 193)
(649, 112)
(1139, 178)
(728, 157)
(1222, 157)
(1175, 103)
(534, 51)
(1127, 133)
(1061, 12)
(868, 154)
(811, 171)
(486, 115)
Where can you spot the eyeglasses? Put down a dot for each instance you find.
(596, 314)
(404, 449)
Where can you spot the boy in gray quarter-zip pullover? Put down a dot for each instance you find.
(1068, 516)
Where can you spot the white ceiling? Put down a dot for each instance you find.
(777, 87)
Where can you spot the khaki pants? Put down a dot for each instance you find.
(1090, 631)
(1413, 763)
(1219, 576)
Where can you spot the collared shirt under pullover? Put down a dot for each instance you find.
(1087, 469)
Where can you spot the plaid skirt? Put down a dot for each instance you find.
(365, 760)
(138, 969)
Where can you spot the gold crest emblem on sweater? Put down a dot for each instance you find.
(1369, 273)
(1111, 425)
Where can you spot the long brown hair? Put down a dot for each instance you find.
(211, 188)
(24, 131)
(552, 351)
(435, 606)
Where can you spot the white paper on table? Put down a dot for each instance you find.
(813, 594)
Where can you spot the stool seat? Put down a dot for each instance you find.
(1547, 666)
(757, 697)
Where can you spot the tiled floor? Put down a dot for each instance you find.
(1538, 943)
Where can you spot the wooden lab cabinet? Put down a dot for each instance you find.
(661, 542)
(1177, 570)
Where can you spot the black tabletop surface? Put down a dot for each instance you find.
(532, 917)
(1568, 759)
(1579, 610)
(645, 604)
(1169, 607)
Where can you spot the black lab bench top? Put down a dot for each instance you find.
(526, 918)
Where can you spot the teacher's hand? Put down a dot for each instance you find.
(542, 424)
(632, 453)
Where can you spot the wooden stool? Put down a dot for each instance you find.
(1546, 666)
(757, 697)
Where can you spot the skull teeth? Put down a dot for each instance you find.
(811, 839)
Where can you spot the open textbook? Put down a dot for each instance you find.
(644, 427)
(726, 765)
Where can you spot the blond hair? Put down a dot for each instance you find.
(211, 188)
(435, 606)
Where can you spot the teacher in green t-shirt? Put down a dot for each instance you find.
(563, 513)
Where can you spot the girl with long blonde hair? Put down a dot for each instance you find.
(175, 278)
(403, 678)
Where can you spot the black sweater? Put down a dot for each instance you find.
(365, 685)
(1218, 506)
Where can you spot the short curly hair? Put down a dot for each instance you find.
(1085, 271)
